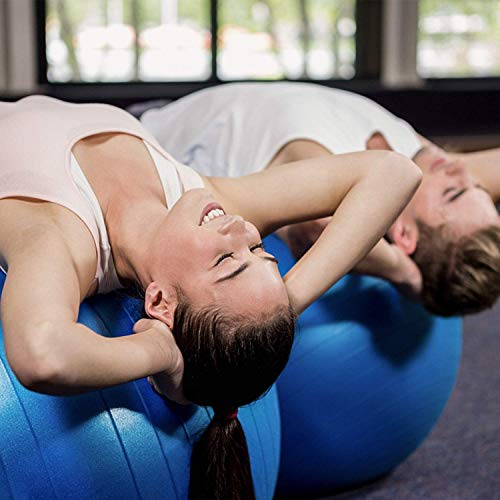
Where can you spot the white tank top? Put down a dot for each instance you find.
(236, 129)
(107, 277)
(37, 162)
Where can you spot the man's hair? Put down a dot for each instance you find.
(460, 276)
(229, 361)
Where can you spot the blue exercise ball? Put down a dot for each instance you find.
(368, 377)
(123, 442)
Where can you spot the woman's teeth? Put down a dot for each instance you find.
(216, 212)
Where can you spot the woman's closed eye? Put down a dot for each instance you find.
(222, 257)
(259, 245)
(230, 254)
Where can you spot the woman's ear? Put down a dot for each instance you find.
(404, 234)
(160, 303)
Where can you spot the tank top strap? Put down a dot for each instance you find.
(175, 177)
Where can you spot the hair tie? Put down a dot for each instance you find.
(232, 416)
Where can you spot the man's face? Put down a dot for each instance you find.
(450, 195)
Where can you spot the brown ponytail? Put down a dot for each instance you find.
(220, 465)
(228, 362)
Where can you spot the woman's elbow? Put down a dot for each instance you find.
(36, 377)
(400, 168)
(34, 364)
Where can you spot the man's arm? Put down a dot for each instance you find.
(484, 165)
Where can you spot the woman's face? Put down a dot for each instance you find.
(217, 259)
(450, 194)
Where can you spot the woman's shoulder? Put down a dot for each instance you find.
(33, 230)
(41, 109)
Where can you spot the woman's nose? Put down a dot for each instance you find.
(235, 224)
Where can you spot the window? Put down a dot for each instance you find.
(307, 39)
(459, 38)
(171, 40)
(202, 41)
(127, 40)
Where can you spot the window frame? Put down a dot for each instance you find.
(454, 98)
(174, 89)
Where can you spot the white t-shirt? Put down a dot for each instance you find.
(236, 129)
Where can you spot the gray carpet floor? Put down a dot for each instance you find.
(460, 459)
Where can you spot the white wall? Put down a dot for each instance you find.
(3, 46)
(17, 46)
(399, 43)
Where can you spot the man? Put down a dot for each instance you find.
(444, 247)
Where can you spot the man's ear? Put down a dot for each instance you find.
(404, 234)
(160, 303)
(378, 141)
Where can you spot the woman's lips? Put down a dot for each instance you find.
(206, 210)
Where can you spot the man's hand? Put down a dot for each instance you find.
(406, 276)
(392, 264)
(300, 237)
(388, 262)
(167, 383)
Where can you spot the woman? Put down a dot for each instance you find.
(450, 228)
(89, 202)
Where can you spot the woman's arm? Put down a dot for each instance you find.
(47, 349)
(364, 191)
(383, 261)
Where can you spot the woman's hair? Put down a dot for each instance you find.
(459, 276)
(229, 361)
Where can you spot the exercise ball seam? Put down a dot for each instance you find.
(35, 438)
(174, 484)
(2, 465)
(155, 430)
(261, 447)
(106, 332)
(120, 440)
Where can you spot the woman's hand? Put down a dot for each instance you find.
(167, 383)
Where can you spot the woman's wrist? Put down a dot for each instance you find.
(155, 350)
(160, 343)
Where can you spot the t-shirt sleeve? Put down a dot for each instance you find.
(399, 134)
